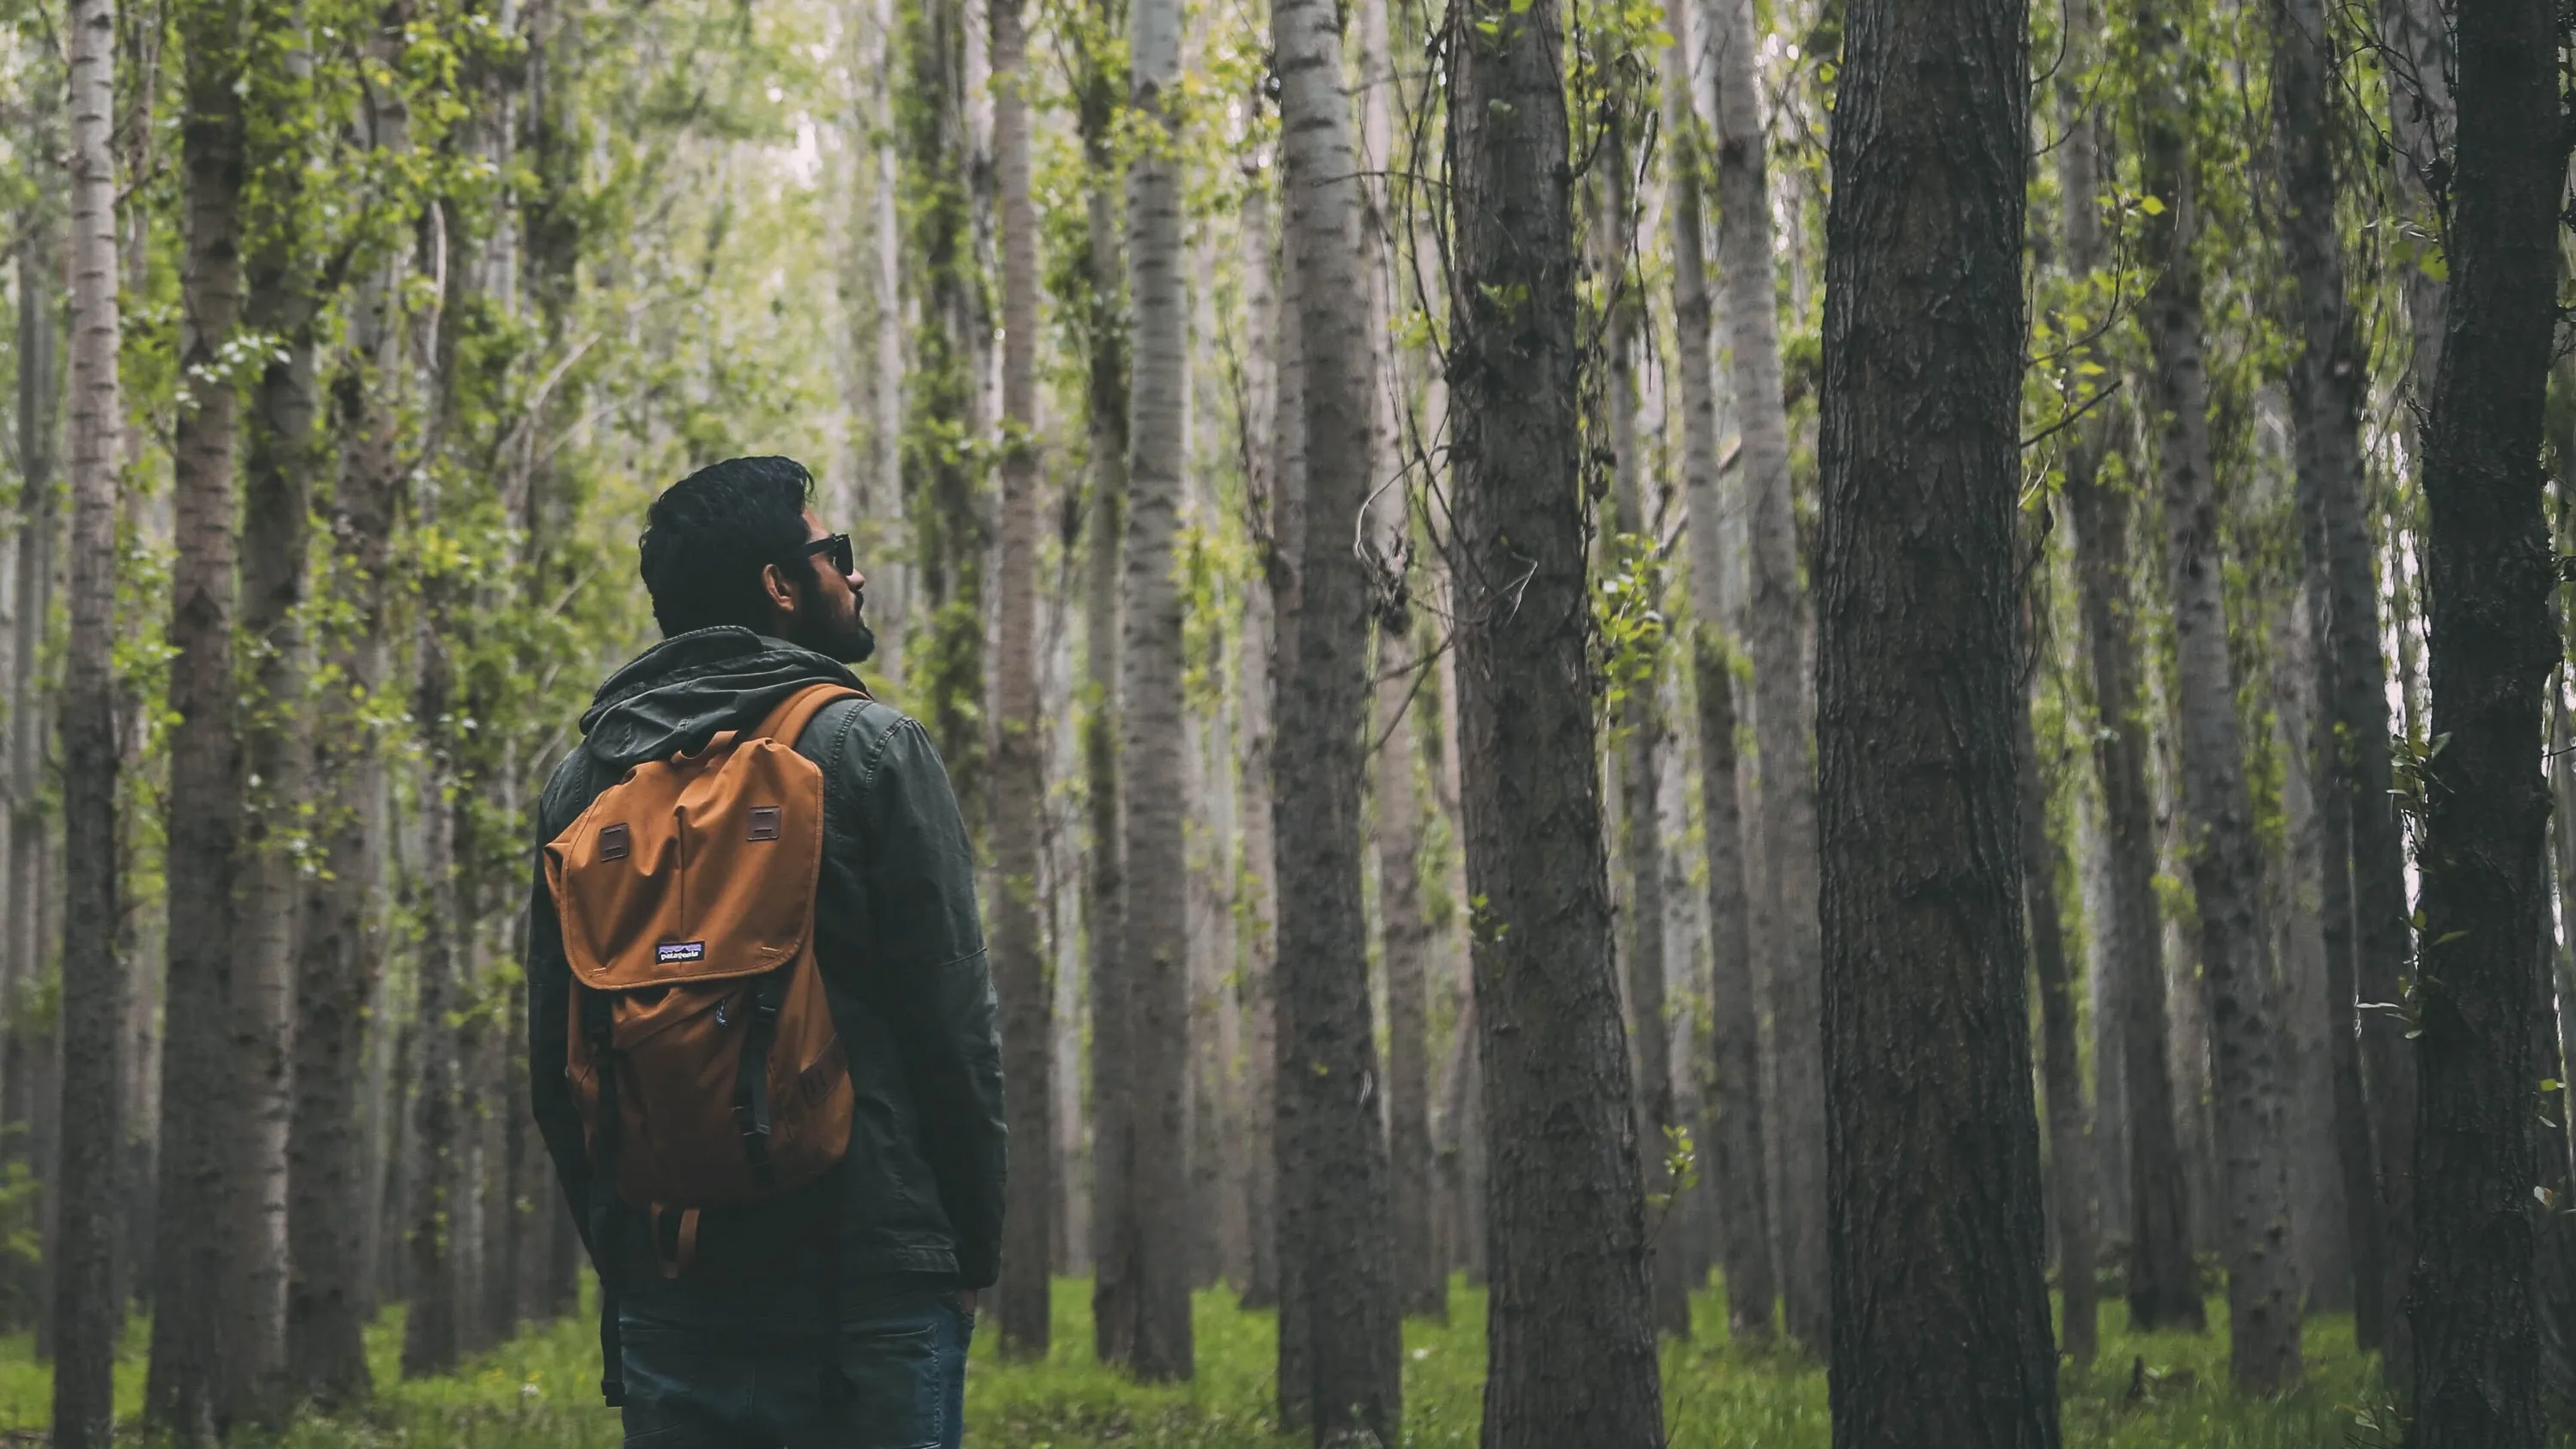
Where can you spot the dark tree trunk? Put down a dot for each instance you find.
(1940, 1298)
(1570, 1355)
(88, 1311)
(1022, 1311)
(2253, 1208)
(2361, 864)
(1104, 316)
(2070, 1132)
(1731, 1096)
(1775, 638)
(1406, 941)
(2162, 1288)
(1338, 1248)
(1734, 1041)
(2491, 573)
(281, 454)
(435, 1208)
(330, 1197)
(201, 1102)
(1286, 564)
(39, 267)
(2417, 41)
(1637, 738)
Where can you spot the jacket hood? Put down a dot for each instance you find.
(676, 696)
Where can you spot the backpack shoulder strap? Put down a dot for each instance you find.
(786, 724)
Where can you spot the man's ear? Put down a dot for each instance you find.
(775, 587)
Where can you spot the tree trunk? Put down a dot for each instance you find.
(1570, 1340)
(1105, 332)
(1733, 1109)
(1150, 1169)
(2416, 46)
(1264, 324)
(339, 950)
(1404, 936)
(2363, 895)
(2294, 887)
(432, 1330)
(203, 1096)
(2492, 574)
(1940, 1313)
(1338, 1248)
(944, 658)
(88, 1311)
(1019, 749)
(2070, 1146)
(2162, 1290)
(29, 586)
(1778, 613)
(1638, 736)
(1286, 567)
(2253, 1219)
(1405, 944)
(280, 456)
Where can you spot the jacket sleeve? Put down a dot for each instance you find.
(938, 991)
(549, 1012)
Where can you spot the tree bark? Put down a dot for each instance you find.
(1570, 1341)
(2293, 888)
(1782, 722)
(2070, 1145)
(1732, 1111)
(1405, 943)
(2363, 899)
(1940, 1310)
(2492, 573)
(1265, 323)
(1105, 332)
(943, 384)
(2253, 1217)
(1338, 1250)
(1287, 567)
(89, 1312)
(432, 1330)
(203, 1095)
(26, 574)
(1151, 1170)
(339, 948)
(280, 456)
(1404, 932)
(2162, 1288)
(1019, 753)
(2416, 50)
(1638, 736)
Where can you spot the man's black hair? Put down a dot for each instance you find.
(708, 536)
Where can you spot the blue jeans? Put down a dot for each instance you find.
(901, 1366)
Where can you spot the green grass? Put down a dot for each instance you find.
(538, 1391)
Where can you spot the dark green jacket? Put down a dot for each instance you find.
(902, 952)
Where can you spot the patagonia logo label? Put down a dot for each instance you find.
(673, 952)
(764, 822)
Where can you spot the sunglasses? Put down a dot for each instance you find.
(837, 550)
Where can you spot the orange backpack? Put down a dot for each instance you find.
(702, 1050)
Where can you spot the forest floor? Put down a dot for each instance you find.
(537, 1391)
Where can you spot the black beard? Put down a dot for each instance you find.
(849, 640)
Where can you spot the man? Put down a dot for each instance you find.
(741, 1350)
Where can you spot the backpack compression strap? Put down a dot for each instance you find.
(786, 724)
